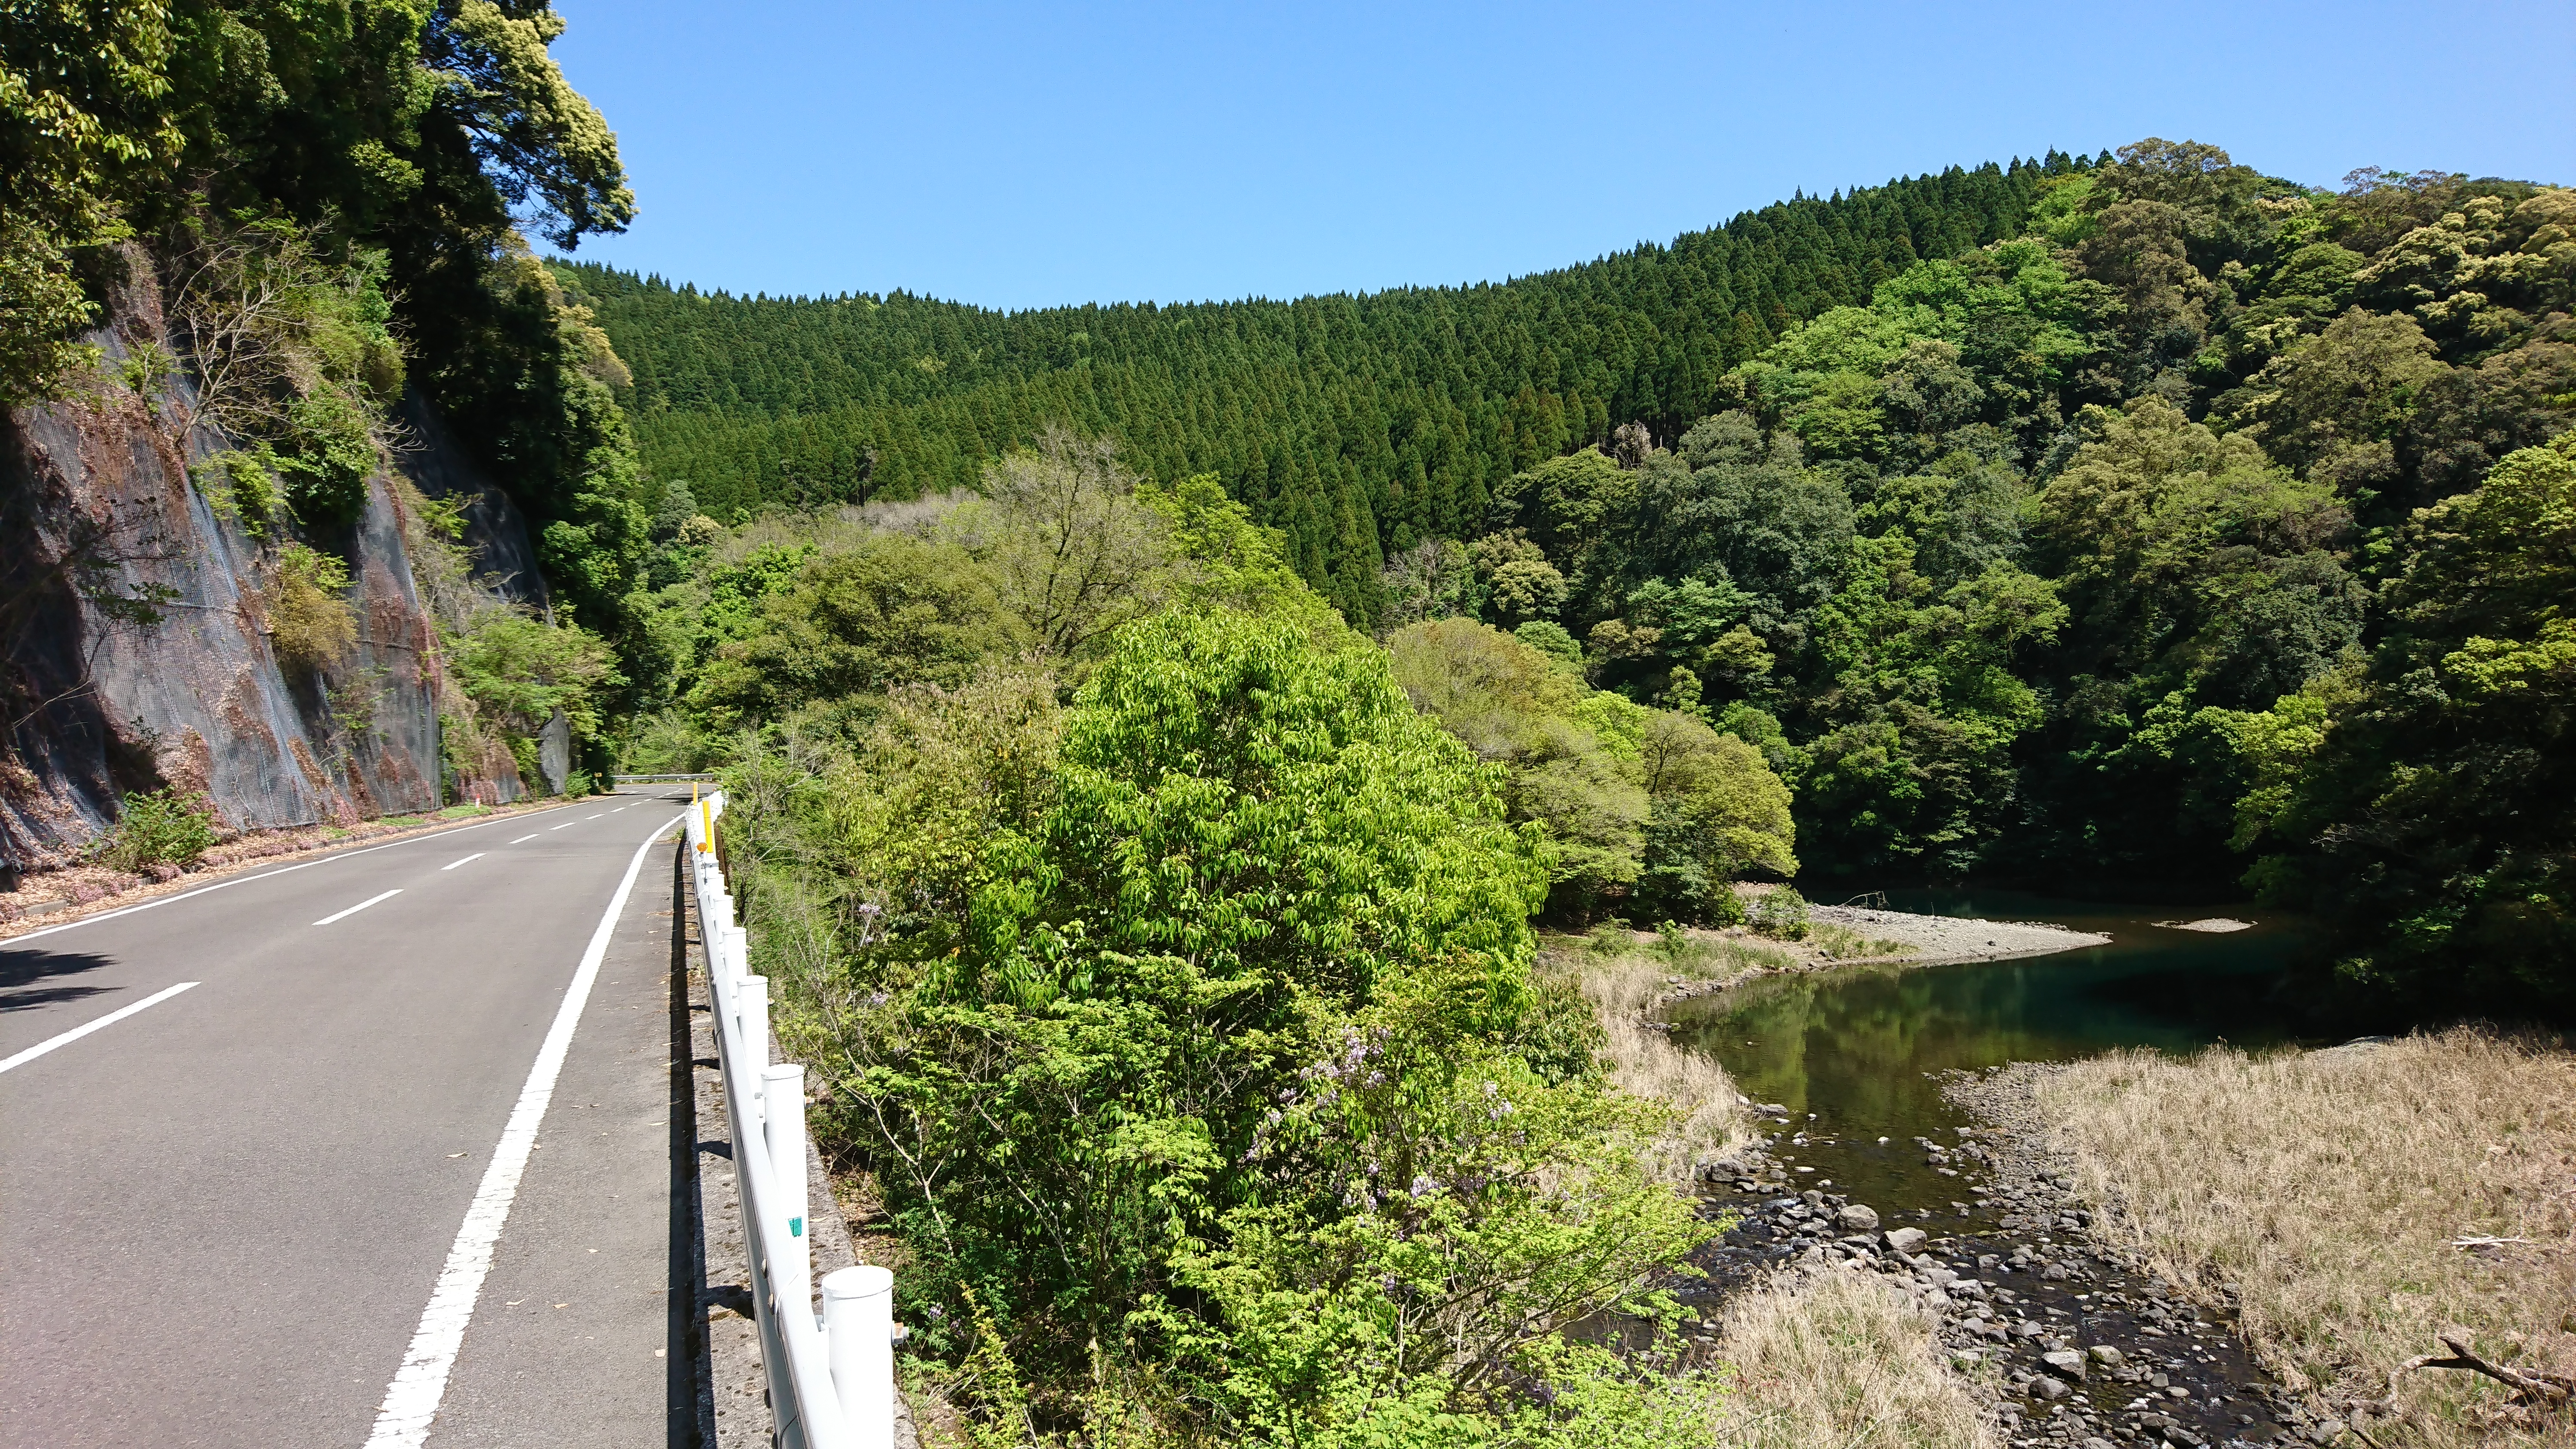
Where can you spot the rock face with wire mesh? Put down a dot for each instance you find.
(139, 623)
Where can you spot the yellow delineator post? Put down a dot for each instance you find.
(706, 820)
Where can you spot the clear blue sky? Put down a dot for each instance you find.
(1022, 155)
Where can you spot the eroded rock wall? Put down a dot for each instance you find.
(133, 646)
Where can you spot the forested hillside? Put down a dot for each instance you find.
(1358, 425)
(2078, 532)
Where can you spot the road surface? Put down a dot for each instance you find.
(226, 1212)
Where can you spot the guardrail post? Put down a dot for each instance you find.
(782, 1097)
(858, 1323)
(751, 1026)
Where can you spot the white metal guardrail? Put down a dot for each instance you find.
(831, 1380)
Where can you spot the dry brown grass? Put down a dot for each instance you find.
(2330, 1192)
(1712, 1120)
(1839, 1358)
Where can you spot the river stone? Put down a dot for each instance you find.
(1858, 1218)
(2047, 1388)
(2109, 1357)
(2066, 1362)
(1905, 1240)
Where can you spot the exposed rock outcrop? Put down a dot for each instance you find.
(134, 652)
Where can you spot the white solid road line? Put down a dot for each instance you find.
(524, 839)
(411, 1400)
(76, 1033)
(360, 906)
(453, 864)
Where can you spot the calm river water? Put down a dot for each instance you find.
(1854, 1046)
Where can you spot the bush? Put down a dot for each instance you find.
(1226, 967)
(520, 669)
(237, 485)
(161, 828)
(309, 624)
(1780, 913)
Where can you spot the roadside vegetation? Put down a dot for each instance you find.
(1173, 982)
(156, 833)
(2354, 1207)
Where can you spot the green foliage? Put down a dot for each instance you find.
(2419, 808)
(162, 828)
(1779, 912)
(237, 485)
(886, 611)
(85, 110)
(1157, 1014)
(519, 670)
(1719, 813)
(311, 623)
(1359, 426)
(307, 182)
(1645, 805)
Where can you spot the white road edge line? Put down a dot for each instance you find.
(76, 1033)
(11, 942)
(524, 839)
(360, 906)
(453, 864)
(412, 1399)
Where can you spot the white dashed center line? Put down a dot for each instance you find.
(360, 906)
(524, 839)
(453, 864)
(85, 1028)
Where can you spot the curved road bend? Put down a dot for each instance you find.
(225, 1213)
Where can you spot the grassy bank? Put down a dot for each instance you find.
(2350, 1205)
(1623, 980)
(1840, 1358)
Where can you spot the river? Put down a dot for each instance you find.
(1856, 1046)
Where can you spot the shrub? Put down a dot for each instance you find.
(237, 485)
(310, 624)
(519, 670)
(161, 828)
(1780, 913)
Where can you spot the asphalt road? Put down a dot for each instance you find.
(223, 1216)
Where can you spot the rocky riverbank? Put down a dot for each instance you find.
(2073, 1346)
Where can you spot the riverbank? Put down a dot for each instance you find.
(1948, 940)
(2372, 1244)
(2367, 1212)
(2062, 1340)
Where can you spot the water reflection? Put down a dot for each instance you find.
(1854, 1046)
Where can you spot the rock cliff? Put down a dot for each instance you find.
(134, 648)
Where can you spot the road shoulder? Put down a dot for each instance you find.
(585, 1333)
